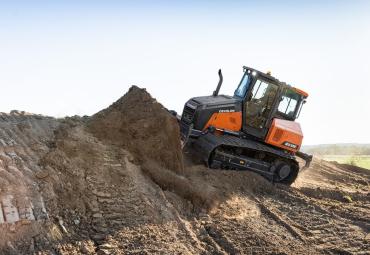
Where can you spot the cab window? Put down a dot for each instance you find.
(243, 86)
(259, 105)
(264, 93)
(288, 103)
(260, 89)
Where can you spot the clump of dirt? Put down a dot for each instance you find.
(140, 124)
(200, 193)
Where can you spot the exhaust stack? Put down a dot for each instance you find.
(215, 93)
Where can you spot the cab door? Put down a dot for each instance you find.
(258, 108)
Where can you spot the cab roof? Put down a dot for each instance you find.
(272, 78)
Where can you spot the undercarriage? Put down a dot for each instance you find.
(234, 153)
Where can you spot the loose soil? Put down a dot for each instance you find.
(118, 183)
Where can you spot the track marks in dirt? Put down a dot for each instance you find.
(316, 224)
(222, 241)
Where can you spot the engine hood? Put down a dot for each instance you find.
(220, 100)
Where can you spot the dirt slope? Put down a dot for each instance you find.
(24, 139)
(115, 183)
(141, 125)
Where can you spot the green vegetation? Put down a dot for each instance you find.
(345, 153)
(338, 149)
(356, 160)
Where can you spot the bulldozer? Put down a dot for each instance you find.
(255, 129)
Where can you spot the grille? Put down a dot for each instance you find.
(278, 135)
(188, 115)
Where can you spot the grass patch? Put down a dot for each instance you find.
(356, 160)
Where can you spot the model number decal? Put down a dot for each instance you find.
(227, 110)
(291, 145)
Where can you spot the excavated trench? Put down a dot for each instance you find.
(116, 183)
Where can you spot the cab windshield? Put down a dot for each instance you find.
(243, 86)
(289, 103)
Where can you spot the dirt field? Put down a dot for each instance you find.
(118, 183)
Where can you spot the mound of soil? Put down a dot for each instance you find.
(140, 124)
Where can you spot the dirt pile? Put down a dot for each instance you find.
(141, 125)
(115, 183)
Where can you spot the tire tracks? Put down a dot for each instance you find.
(318, 226)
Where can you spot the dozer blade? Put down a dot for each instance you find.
(306, 157)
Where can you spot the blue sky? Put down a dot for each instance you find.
(76, 57)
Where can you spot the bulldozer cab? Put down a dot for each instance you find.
(264, 98)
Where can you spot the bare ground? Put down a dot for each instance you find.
(116, 183)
